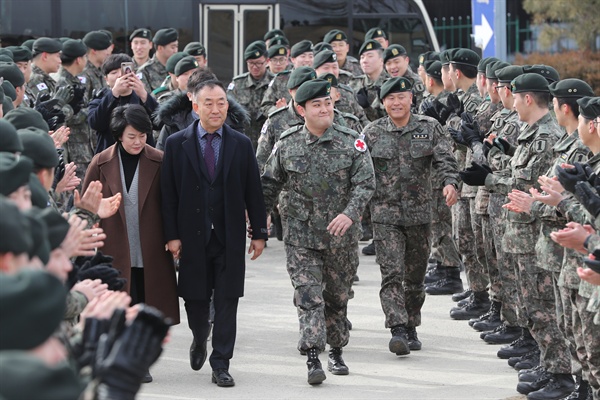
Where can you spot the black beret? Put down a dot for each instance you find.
(322, 46)
(589, 107)
(21, 53)
(571, 88)
(74, 48)
(303, 46)
(7, 104)
(299, 76)
(272, 33)
(33, 304)
(433, 68)
(465, 57)
(446, 55)
(141, 33)
(173, 60)
(529, 82)
(546, 71)
(12, 73)
(25, 117)
(39, 235)
(6, 52)
(9, 139)
(481, 67)
(279, 40)
(107, 33)
(335, 35)
(395, 85)
(165, 36)
(9, 91)
(507, 74)
(393, 51)
(97, 40)
(375, 33)
(491, 68)
(57, 226)
(29, 44)
(370, 45)
(185, 64)
(255, 50)
(429, 55)
(39, 195)
(5, 58)
(14, 172)
(277, 51)
(329, 77)
(324, 57)
(15, 234)
(313, 89)
(195, 49)
(39, 146)
(46, 45)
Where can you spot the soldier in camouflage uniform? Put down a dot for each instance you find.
(339, 43)
(367, 86)
(397, 63)
(22, 56)
(154, 70)
(330, 178)
(405, 147)
(378, 34)
(249, 88)
(46, 60)
(141, 44)
(169, 86)
(99, 48)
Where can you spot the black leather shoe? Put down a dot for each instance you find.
(540, 382)
(461, 296)
(532, 354)
(399, 341)
(147, 378)
(413, 341)
(519, 347)
(529, 360)
(222, 378)
(560, 385)
(583, 391)
(369, 250)
(316, 375)
(531, 375)
(506, 335)
(335, 363)
(197, 355)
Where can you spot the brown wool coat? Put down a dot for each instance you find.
(159, 272)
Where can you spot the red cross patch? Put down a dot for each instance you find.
(360, 145)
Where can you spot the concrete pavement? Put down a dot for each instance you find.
(453, 364)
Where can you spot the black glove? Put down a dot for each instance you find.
(42, 97)
(93, 329)
(454, 104)
(475, 175)
(105, 272)
(504, 146)
(99, 93)
(457, 136)
(51, 112)
(568, 177)
(64, 95)
(487, 146)
(78, 101)
(594, 265)
(470, 129)
(363, 98)
(588, 197)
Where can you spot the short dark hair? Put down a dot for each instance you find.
(198, 76)
(572, 103)
(113, 62)
(66, 60)
(209, 84)
(541, 99)
(133, 115)
(468, 70)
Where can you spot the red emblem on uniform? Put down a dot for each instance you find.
(360, 145)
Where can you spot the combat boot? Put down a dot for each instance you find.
(449, 285)
(462, 295)
(477, 307)
(583, 390)
(531, 375)
(278, 226)
(560, 385)
(519, 347)
(399, 341)
(500, 328)
(335, 363)
(528, 387)
(316, 375)
(506, 334)
(435, 274)
(532, 354)
(369, 250)
(529, 360)
(488, 321)
(413, 341)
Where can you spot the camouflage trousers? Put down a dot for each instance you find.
(537, 291)
(477, 274)
(565, 310)
(463, 234)
(321, 281)
(401, 252)
(491, 258)
(443, 246)
(587, 337)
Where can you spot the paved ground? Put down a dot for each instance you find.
(453, 364)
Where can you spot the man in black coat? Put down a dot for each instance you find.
(210, 179)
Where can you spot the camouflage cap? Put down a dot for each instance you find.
(335, 35)
(97, 40)
(589, 107)
(9, 92)
(375, 33)
(173, 60)
(369, 45)
(195, 49)
(12, 73)
(185, 64)
(529, 82)
(492, 67)
(15, 234)
(255, 50)
(9, 139)
(481, 67)
(272, 33)
(165, 36)
(299, 76)
(571, 88)
(429, 55)
(74, 48)
(277, 51)
(507, 74)
(313, 89)
(21, 53)
(279, 40)
(395, 85)
(329, 77)
(57, 226)
(433, 68)
(324, 57)
(304, 46)
(465, 57)
(46, 45)
(39, 235)
(393, 51)
(141, 33)
(546, 71)
(38, 146)
(14, 172)
(25, 117)
(322, 46)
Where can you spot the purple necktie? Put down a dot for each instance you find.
(209, 156)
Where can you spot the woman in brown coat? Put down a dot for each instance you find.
(134, 235)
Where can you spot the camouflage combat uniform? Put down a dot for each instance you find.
(325, 176)
(165, 91)
(94, 80)
(401, 208)
(353, 66)
(349, 104)
(375, 109)
(153, 74)
(40, 82)
(418, 89)
(276, 90)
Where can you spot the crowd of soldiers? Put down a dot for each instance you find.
(468, 163)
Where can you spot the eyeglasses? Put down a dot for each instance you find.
(501, 86)
(255, 64)
(278, 60)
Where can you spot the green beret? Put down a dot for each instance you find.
(393, 51)
(429, 55)
(21, 53)
(5, 59)
(74, 48)
(14, 172)
(571, 88)
(481, 67)
(141, 33)
(9, 139)
(312, 89)
(63, 39)
(185, 64)
(277, 51)
(195, 49)
(25, 376)
(38, 146)
(329, 77)
(491, 68)
(324, 57)
(173, 60)
(529, 82)
(303, 46)
(6, 52)
(39, 235)
(15, 234)
(375, 33)
(546, 71)
(107, 33)
(57, 226)
(25, 117)
(97, 40)
(300, 75)
(39, 195)
(12, 73)
(9, 91)
(272, 33)
(370, 45)
(465, 57)
(319, 47)
(279, 40)
(335, 35)
(29, 44)
(589, 107)
(395, 85)
(446, 55)
(507, 74)
(433, 68)
(165, 36)
(32, 304)
(7, 104)
(46, 45)
(255, 50)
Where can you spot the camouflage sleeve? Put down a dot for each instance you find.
(267, 105)
(76, 302)
(593, 243)
(443, 160)
(362, 177)
(273, 178)
(573, 210)
(266, 141)
(91, 218)
(146, 79)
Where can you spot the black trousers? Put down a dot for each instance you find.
(225, 314)
(137, 289)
